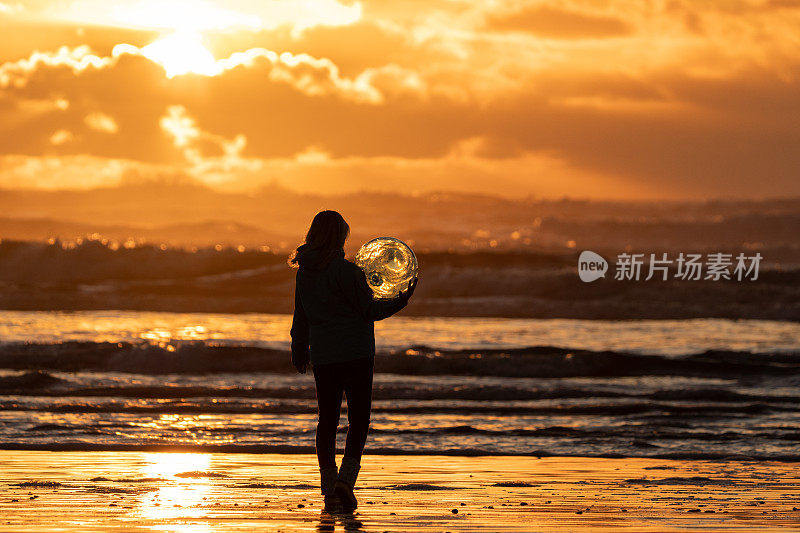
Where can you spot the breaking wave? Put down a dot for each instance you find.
(200, 357)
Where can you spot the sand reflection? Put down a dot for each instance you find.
(183, 491)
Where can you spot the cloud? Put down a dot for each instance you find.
(310, 75)
(6, 8)
(696, 134)
(61, 137)
(225, 159)
(685, 97)
(353, 48)
(17, 73)
(53, 172)
(101, 122)
(39, 106)
(313, 169)
(557, 23)
(181, 127)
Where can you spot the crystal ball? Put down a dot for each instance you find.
(389, 265)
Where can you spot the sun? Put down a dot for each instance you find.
(181, 53)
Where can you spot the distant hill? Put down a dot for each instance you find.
(186, 214)
(197, 234)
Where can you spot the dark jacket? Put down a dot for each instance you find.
(334, 312)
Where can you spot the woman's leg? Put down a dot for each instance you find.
(329, 387)
(358, 389)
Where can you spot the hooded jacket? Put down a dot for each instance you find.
(334, 311)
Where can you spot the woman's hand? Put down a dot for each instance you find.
(302, 369)
(406, 295)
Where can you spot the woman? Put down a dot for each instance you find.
(333, 329)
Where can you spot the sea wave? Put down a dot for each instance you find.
(642, 409)
(43, 385)
(201, 357)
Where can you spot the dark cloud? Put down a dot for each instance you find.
(736, 8)
(784, 4)
(732, 136)
(134, 93)
(556, 23)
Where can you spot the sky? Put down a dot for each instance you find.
(628, 99)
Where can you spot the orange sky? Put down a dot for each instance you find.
(585, 98)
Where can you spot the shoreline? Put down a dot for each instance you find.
(531, 308)
(289, 450)
(206, 492)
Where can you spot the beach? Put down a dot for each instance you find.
(198, 492)
(194, 423)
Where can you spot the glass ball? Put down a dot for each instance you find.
(389, 265)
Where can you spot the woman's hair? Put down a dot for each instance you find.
(324, 240)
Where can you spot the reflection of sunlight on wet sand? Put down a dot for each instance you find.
(177, 497)
(166, 465)
(135, 491)
(187, 528)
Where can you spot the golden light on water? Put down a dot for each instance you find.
(188, 428)
(161, 335)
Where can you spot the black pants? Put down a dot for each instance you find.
(354, 379)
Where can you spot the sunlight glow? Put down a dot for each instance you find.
(209, 15)
(180, 53)
(181, 15)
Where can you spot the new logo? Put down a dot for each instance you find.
(591, 266)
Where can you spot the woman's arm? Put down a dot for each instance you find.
(299, 333)
(353, 283)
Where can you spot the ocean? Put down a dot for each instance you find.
(114, 380)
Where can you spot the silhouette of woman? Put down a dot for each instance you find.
(333, 329)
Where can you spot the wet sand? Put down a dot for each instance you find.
(197, 492)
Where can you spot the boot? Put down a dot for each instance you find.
(331, 504)
(346, 497)
(348, 473)
(327, 480)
